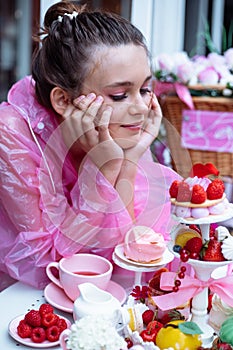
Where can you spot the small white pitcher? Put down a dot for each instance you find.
(93, 300)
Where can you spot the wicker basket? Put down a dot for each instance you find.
(183, 159)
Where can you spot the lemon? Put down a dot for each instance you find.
(175, 338)
(182, 238)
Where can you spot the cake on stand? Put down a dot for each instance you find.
(120, 259)
(203, 271)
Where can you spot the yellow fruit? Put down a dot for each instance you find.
(183, 237)
(173, 337)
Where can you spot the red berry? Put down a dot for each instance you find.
(194, 255)
(45, 309)
(175, 289)
(194, 245)
(33, 318)
(213, 251)
(184, 257)
(183, 268)
(181, 275)
(198, 194)
(53, 333)
(129, 343)
(49, 319)
(24, 330)
(215, 189)
(173, 190)
(38, 335)
(177, 283)
(61, 323)
(147, 316)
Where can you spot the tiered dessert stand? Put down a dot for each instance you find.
(120, 260)
(203, 271)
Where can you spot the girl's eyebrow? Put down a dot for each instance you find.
(126, 83)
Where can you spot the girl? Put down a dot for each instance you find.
(76, 170)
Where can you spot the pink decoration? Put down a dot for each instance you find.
(207, 130)
(191, 286)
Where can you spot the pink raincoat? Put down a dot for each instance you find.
(47, 211)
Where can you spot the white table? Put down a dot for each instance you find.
(16, 300)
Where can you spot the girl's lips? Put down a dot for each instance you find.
(132, 126)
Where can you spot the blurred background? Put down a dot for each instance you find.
(168, 25)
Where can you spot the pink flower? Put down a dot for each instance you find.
(185, 71)
(229, 58)
(208, 76)
(165, 62)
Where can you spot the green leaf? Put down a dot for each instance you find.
(189, 328)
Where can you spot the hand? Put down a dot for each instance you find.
(150, 132)
(86, 126)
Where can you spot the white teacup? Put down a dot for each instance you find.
(80, 268)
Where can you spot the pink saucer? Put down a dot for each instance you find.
(57, 298)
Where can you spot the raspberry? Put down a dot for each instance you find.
(61, 323)
(33, 318)
(198, 194)
(184, 193)
(173, 190)
(38, 335)
(147, 316)
(49, 319)
(215, 189)
(24, 330)
(53, 333)
(45, 309)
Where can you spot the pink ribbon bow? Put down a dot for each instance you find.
(190, 287)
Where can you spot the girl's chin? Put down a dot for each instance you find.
(127, 143)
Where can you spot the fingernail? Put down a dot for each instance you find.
(91, 95)
(99, 99)
(78, 99)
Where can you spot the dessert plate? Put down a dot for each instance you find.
(228, 214)
(12, 329)
(57, 298)
(166, 258)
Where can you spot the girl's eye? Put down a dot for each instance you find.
(118, 97)
(144, 91)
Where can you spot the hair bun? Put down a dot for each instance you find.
(58, 9)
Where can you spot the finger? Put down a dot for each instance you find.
(103, 124)
(90, 115)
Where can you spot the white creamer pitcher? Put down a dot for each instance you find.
(95, 301)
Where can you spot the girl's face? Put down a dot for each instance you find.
(122, 76)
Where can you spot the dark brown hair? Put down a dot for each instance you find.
(68, 45)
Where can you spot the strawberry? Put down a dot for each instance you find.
(194, 245)
(171, 316)
(45, 308)
(195, 228)
(213, 252)
(33, 318)
(173, 190)
(49, 319)
(184, 194)
(202, 170)
(147, 316)
(198, 194)
(38, 335)
(53, 333)
(24, 330)
(215, 189)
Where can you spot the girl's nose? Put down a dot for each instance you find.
(138, 107)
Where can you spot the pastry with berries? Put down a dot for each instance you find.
(200, 195)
